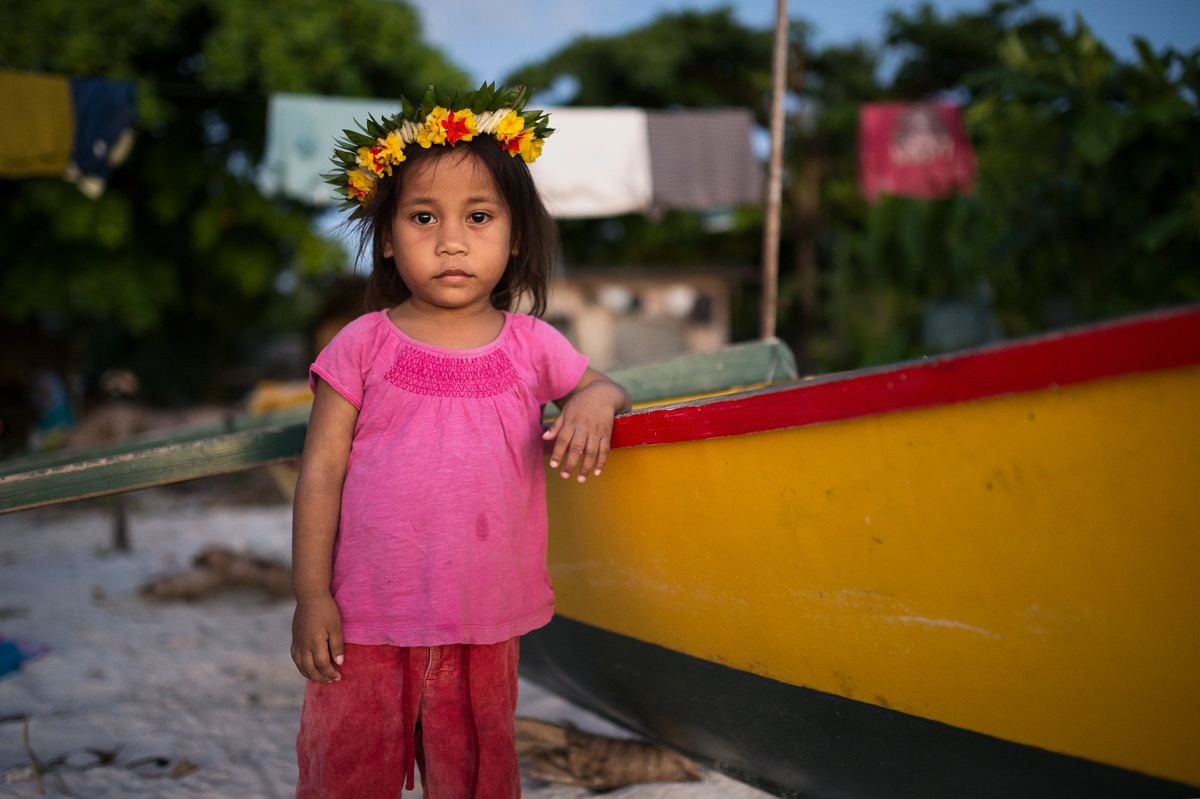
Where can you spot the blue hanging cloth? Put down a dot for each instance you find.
(14, 651)
(105, 111)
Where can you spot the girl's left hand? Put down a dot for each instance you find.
(583, 431)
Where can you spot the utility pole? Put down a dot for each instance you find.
(770, 262)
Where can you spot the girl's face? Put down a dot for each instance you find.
(451, 236)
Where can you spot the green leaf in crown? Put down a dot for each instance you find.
(369, 153)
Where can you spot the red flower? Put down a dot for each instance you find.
(512, 146)
(458, 127)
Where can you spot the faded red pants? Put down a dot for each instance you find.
(448, 708)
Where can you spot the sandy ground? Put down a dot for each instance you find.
(209, 683)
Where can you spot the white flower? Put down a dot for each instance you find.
(493, 121)
(408, 131)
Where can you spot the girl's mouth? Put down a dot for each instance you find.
(453, 276)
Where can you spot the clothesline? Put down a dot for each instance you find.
(602, 162)
(53, 125)
(599, 162)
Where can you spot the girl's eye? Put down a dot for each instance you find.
(479, 217)
(423, 218)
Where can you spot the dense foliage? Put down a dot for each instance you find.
(1087, 203)
(176, 266)
(688, 58)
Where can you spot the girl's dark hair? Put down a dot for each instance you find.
(534, 233)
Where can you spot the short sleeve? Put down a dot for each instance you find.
(559, 366)
(341, 365)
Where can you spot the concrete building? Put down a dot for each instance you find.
(627, 317)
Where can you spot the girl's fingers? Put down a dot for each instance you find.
(555, 426)
(560, 447)
(560, 442)
(307, 668)
(315, 663)
(324, 664)
(590, 453)
(574, 452)
(337, 649)
(602, 458)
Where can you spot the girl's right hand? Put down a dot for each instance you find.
(317, 639)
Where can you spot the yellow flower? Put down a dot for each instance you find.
(393, 148)
(518, 144)
(432, 132)
(361, 186)
(511, 125)
(381, 163)
(374, 159)
(531, 148)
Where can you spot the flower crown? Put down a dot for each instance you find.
(368, 154)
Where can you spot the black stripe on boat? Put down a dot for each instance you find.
(799, 742)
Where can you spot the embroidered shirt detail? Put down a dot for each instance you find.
(424, 372)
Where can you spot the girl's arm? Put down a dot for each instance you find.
(584, 428)
(317, 625)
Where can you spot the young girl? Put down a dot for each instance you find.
(419, 532)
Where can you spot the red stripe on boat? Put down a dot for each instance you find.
(1142, 344)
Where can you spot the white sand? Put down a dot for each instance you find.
(210, 682)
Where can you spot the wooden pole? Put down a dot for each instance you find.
(770, 262)
(121, 522)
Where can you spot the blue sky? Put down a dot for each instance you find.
(491, 38)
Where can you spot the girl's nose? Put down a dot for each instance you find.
(452, 239)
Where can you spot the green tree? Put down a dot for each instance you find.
(1084, 205)
(1094, 165)
(173, 268)
(689, 58)
(940, 53)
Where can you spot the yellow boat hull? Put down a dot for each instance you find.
(1019, 566)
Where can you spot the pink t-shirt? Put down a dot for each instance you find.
(442, 537)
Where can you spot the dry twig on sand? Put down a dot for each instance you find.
(569, 756)
(33, 761)
(216, 568)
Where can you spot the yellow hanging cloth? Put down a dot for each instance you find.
(37, 124)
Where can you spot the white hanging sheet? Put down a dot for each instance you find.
(597, 163)
(301, 129)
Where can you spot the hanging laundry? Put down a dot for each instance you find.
(914, 150)
(15, 651)
(105, 111)
(52, 401)
(77, 128)
(37, 128)
(701, 159)
(301, 129)
(597, 163)
(600, 162)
